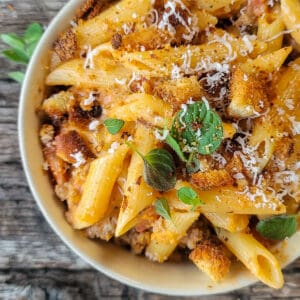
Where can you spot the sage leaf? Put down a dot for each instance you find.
(114, 125)
(159, 170)
(278, 227)
(17, 76)
(197, 128)
(162, 208)
(188, 196)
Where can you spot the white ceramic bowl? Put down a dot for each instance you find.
(117, 263)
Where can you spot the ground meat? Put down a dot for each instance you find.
(103, 230)
(46, 134)
(198, 232)
(58, 168)
(137, 241)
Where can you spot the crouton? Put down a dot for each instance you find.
(211, 179)
(71, 148)
(210, 257)
(57, 104)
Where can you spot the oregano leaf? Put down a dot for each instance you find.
(197, 128)
(278, 227)
(188, 196)
(162, 208)
(114, 125)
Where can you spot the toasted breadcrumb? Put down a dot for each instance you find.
(70, 143)
(211, 179)
(66, 45)
(210, 257)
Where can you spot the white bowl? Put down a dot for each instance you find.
(117, 263)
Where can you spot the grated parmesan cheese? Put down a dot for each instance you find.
(295, 125)
(93, 125)
(79, 159)
(113, 147)
(90, 99)
(159, 136)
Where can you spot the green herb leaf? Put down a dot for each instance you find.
(16, 56)
(278, 227)
(14, 41)
(175, 146)
(188, 196)
(159, 170)
(197, 129)
(21, 47)
(17, 76)
(193, 164)
(162, 208)
(33, 33)
(113, 125)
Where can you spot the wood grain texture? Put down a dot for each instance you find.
(34, 262)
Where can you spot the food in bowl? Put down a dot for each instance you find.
(172, 127)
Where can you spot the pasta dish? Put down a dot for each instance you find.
(172, 128)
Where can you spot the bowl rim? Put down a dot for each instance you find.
(72, 5)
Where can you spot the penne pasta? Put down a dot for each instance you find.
(260, 261)
(100, 29)
(95, 197)
(137, 194)
(167, 234)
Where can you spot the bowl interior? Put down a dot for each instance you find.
(168, 278)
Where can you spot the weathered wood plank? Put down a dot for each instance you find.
(34, 263)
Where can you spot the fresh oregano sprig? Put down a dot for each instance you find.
(159, 168)
(197, 128)
(188, 196)
(278, 227)
(162, 208)
(21, 47)
(113, 126)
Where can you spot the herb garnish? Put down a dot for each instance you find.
(278, 227)
(162, 208)
(188, 196)
(159, 168)
(113, 125)
(22, 47)
(197, 129)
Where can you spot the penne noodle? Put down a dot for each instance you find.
(167, 234)
(260, 261)
(97, 189)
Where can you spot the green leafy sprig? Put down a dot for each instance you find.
(188, 196)
(113, 126)
(162, 208)
(197, 129)
(21, 47)
(159, 168)
(278, 227)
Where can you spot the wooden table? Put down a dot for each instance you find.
(34, 262)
